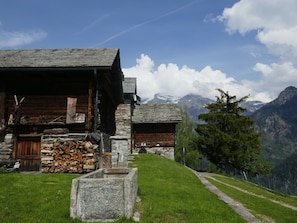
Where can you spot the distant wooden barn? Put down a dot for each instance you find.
(154, 128)
(74, 89)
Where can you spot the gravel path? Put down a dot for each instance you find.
(236, 206)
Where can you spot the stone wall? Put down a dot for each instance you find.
(167, 152)
(6, 150)
(124, 122)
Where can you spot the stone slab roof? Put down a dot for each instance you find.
(157, 113)
(59, 58)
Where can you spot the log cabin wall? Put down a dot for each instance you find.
(154, 128)
(158, 138)
(45, 96)
(153, 135)
(40, 83)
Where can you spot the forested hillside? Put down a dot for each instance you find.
(277, 122)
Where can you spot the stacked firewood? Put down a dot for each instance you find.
(69, 157)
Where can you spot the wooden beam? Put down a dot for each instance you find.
(71, 110)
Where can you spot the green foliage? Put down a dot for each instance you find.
(186, 151)
(228, 139)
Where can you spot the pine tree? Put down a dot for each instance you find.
(227, 137)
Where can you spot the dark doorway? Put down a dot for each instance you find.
(28, 152)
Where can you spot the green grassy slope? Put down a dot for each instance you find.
(32, 198)
(168, 191)
(269, 206)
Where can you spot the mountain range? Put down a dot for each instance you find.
(277, 122)
(195, 104)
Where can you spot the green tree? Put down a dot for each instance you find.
(185, 150)
(227, 137)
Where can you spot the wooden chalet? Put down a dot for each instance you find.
(73, 89)
(154, 128)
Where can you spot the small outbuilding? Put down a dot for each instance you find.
(154, 128)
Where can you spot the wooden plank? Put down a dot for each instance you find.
(28, 151)
(90, 107)
(71, 110)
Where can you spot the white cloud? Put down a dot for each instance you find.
(276, 28)
(274, 21)
(276, 77)
(169, 79)
(15, 39)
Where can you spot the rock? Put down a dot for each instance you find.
(8, 139)
(136, 216)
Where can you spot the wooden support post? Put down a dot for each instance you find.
(71, 110)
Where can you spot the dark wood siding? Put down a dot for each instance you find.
(44, 109)
(2, 107)
(154, 135)
(46, 95)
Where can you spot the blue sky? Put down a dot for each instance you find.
(173, 47)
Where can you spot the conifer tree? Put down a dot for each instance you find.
(227, 137)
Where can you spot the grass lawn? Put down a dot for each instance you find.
(259, 190)
(260, 207)
(30, 198)
(169, 192)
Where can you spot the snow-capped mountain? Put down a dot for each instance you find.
(196, 104)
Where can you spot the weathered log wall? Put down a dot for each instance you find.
(45, 96)
(159, 134)
(44, 109)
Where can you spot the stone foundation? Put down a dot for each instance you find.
(167, 152)
(6, 150)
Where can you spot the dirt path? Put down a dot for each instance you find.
(256, 195)
(236, 206)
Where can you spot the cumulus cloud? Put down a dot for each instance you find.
(15, 39)
(274, 21)
(274, 24)
(276, 28)
(170, 79)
